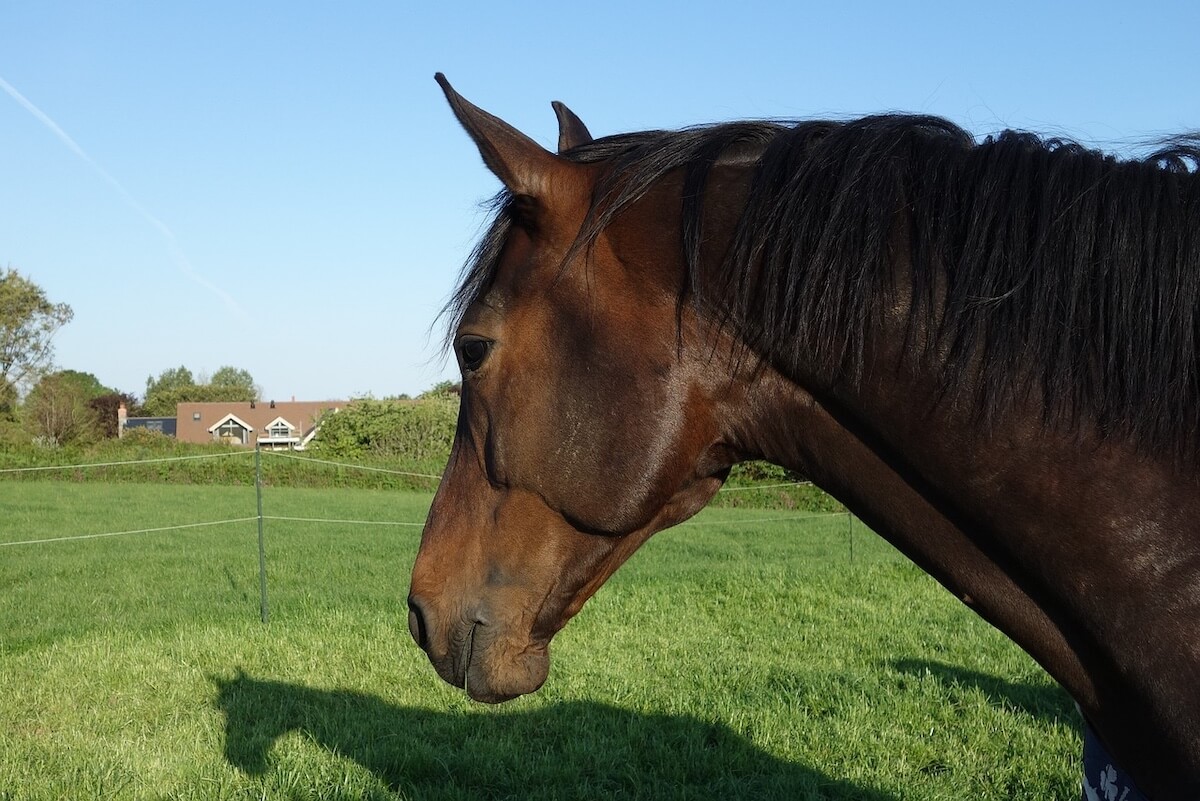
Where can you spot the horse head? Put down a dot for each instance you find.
(588, 417)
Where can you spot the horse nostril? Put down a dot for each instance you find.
(416, 622)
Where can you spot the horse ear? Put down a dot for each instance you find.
(571, 130)
(521, 163)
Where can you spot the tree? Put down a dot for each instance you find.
(176, 385)
(235, 377)
(105, 407)
(170, 379)
(8, 400)
(164, 392)
(58, 413)
(87, 383)
(58, 396)
(442, 389)
(28, 323)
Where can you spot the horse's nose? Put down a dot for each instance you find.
(416, 622)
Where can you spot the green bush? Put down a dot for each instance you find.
(418, 431)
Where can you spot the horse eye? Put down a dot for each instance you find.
(473, 352)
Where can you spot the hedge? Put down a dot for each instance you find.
(405, 445)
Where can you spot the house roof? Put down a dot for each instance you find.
(197, 421)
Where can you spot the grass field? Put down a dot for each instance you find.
(728, 659)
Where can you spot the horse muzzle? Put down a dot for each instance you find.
(476, 656)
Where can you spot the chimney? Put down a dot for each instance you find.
(272, 404)
(122, 416)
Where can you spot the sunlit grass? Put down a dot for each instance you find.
(728, 659)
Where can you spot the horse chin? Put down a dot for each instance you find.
(494, 677)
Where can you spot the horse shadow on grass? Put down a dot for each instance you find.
(1045, 702)
(569, 750)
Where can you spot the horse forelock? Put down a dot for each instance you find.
(480, 268)
(1036, 265)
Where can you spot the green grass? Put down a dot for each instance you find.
(728, 659)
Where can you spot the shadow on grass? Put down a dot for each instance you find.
(1044, 702)
(571, 750)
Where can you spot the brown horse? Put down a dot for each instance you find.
(987, 350)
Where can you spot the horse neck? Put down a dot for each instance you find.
(1065, 540)
(1057, 538)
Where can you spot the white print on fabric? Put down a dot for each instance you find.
(1109, 791)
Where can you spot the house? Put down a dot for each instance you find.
(270, 424)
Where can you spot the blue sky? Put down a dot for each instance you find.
(281, 187)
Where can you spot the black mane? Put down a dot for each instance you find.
(1034, 265)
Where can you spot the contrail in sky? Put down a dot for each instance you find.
(177, 254)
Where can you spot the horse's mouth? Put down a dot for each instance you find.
(489, 670)
(468, 653)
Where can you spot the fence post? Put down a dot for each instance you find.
(262, 552)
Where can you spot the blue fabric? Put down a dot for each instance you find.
(1103, 778)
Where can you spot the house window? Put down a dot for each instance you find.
(230, 431)
(196, 416)
(279, 430)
